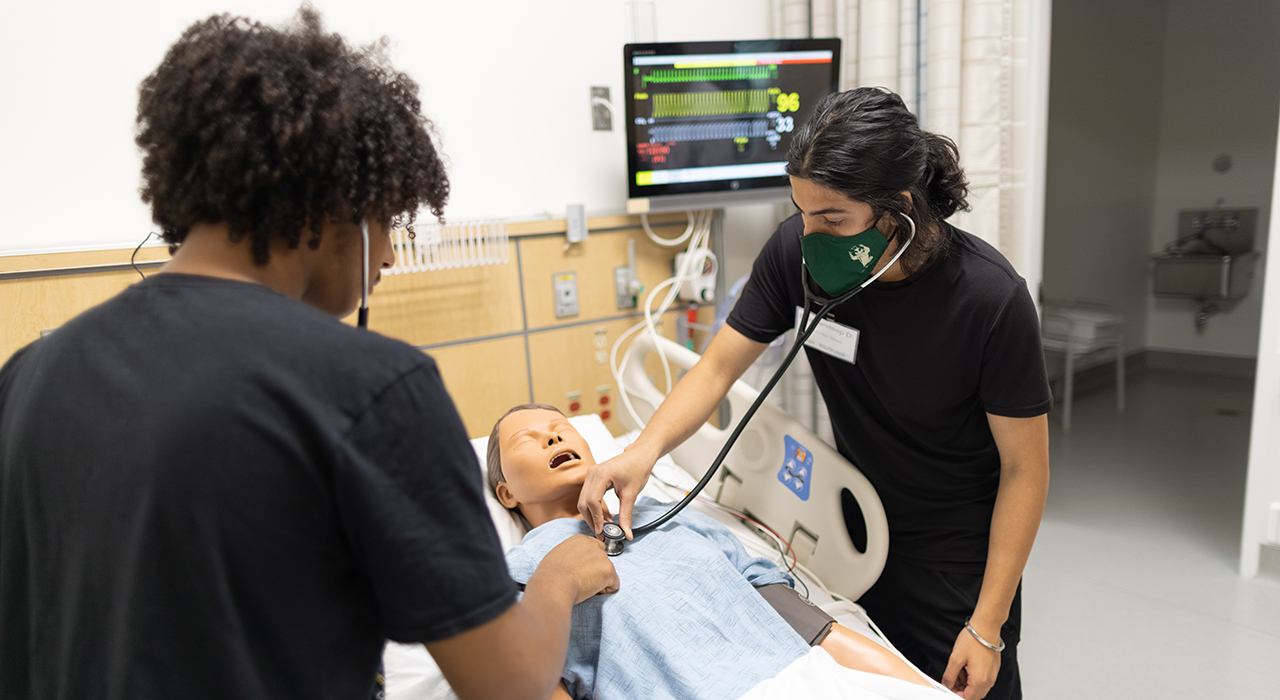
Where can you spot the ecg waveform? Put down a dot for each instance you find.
(698, 104)
(697, 75)
(754, 128)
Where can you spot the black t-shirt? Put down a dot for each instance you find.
(937, 351)
(211, 490)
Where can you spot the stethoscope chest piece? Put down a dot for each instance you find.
(614, 538)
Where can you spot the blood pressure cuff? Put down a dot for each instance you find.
(807, 619)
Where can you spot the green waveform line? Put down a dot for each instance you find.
(695, 75)
(698, 104)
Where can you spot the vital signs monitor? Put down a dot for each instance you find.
(709, 123)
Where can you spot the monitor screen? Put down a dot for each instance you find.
(711, 122)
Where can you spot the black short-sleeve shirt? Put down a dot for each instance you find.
(211, 490)
(937, 351)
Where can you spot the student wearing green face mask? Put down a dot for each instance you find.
(942, 402)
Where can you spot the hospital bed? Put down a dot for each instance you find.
(779, 473)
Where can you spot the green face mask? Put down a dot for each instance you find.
(840, 263)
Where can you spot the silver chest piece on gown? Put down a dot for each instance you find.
(613, 539)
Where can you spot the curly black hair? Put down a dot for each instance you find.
(273, 130)
(865, 144)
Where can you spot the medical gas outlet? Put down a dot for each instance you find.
(602, 394)
(700, 285)
(626, 285)
(565, 287)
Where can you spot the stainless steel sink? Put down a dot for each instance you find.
(1212, 257)
(1203, 275)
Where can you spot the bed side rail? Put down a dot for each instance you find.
(782, 474)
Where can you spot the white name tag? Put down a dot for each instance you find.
(834, 339)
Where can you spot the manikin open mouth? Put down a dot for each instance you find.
(562, 457)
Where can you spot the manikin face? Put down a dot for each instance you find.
(544, 459)
(335, 275)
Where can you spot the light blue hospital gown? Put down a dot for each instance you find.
(686, 622)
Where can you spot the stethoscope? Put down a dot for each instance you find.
(614, 537)
(362, 319)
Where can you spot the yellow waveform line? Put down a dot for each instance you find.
(698, 104)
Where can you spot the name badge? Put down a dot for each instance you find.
(831, 338)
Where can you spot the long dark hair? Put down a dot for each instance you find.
(866, 145)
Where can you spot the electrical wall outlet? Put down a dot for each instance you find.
(565, 287)
(1272, 535)
(622, 287)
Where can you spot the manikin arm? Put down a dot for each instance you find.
(855, 651)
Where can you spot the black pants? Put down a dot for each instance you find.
(921, 611)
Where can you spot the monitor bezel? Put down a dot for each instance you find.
(734, 190)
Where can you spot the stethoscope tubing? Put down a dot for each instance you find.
(362, 319)
(825, 306)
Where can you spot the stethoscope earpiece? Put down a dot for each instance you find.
(362, 319)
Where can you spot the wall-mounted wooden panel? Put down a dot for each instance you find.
(32, 305)
(463, 310)
(442, 306)
(573, 360)
(114, 256)
(484, 379)
(28, 306)
(594, 262)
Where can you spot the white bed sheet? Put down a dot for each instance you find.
(410, 672)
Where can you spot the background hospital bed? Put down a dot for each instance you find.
(838, 560)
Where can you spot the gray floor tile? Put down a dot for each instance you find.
(1132, 591)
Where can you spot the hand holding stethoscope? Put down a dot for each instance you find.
(841, 266)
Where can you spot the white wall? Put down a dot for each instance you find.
(1104, 104)
(506, 82)
(1262, 487)
(1221, 95)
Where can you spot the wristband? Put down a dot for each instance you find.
(982, 641)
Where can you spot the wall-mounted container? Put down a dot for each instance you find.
(1212, 258)
(1203, 276)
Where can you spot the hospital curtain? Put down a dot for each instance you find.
(961, 66)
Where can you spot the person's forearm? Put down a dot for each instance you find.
(1018, 509)
(543, 616)
(698, 393)
(521, 653)
(685, 409)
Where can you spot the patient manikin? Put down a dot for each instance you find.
(687, 621)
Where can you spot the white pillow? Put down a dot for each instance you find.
(411, 673)
(603, 446)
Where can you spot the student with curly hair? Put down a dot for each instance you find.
(210, 487)
(941, 400)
